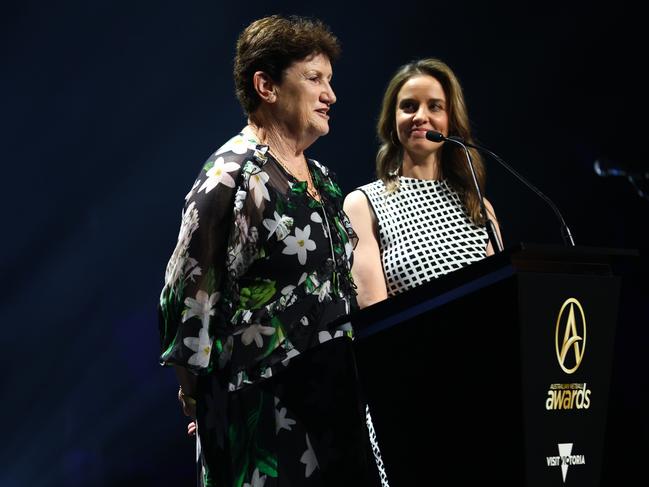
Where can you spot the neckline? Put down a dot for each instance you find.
(292, 177)
(247, 131)
(406, 179)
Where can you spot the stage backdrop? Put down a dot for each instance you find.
(109, 109)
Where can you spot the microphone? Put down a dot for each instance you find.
(435, 136)
(604, 168)
(566, 235)
(491, 229)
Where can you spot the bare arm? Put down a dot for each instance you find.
(491, 214)
(367, 269)
(187, 391)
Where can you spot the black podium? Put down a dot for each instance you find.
(499, 371)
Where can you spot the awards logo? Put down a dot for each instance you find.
(570, 346)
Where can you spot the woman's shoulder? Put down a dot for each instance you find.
(238, 153)
(372, 187)
(239, 145)
(375, 191)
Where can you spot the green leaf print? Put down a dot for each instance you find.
(208, 165)
(279, 206)
(277, 337)
(256, 295)
(341, 230)
(299, 187)
(242, 437)
(268, 465)
(207, 478)
(333, 189)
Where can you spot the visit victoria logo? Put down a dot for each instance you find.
(570, 346)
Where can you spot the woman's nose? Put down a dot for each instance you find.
(421, 114)
(329, 95)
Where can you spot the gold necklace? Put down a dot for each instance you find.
(310, 186)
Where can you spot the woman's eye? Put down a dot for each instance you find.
(408, 107)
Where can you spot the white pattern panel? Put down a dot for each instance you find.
(424, 232)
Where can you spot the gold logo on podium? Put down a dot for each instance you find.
(573, 343)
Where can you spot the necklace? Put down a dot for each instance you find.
(310, 186)
(315, 194)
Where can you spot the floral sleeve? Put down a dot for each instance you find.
(194, 303)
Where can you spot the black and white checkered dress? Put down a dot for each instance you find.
(424, 232)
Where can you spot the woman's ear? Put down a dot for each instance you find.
(264, 86)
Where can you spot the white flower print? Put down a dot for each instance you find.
(317, 218)
(289, 289)
(191, 269)
(309, 459)
(257, 183)
(293, 352)
(237, 144)
(256, 480)
(188, 226)
(325, 336)
(198, 444)
(281, 421)
(202, 345)
(299, 244)
(239, 198)
(242, 223)
(286, 290)
(218, 174)
(191, 191)
(323, 169)
(202, 306)
(349, 249)
(254, 333)
(279, 225)
(323, 291)
(238, 259)
(305, 321)
(312, 283)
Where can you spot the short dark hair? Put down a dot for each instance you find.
(271, 45)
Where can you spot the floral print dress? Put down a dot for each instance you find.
(260, 271)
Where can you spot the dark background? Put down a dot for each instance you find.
(109, 109)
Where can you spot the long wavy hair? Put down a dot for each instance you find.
(454, 167)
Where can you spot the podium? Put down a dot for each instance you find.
(499, 371)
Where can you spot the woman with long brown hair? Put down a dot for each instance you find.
(421, 218)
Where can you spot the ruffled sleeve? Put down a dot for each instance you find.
(196, 302)
(344, 238)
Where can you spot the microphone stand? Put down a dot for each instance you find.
(491, 229)
(602, 170)
(566, 235)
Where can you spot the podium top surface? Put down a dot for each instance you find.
(574, 254)
(522, 257)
